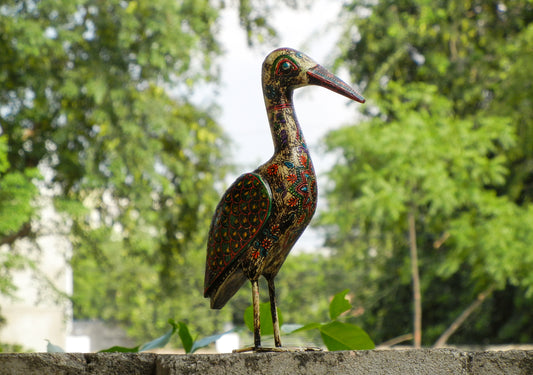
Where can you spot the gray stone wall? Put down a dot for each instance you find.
(382, 362)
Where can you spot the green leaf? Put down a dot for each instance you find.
(266, 318)
(306, 327)
(208, 340)
(345, 336)
(163, 340)
(154, 344)
(339, 304)
(185, 336)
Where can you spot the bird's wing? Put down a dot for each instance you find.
(238, 218)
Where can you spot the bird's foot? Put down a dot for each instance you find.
(282, 349)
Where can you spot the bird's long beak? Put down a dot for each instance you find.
(322, 77)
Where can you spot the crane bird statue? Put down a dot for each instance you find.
(262, 214)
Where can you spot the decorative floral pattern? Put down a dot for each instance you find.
(272, 169)
(263, 213)
(292, 178)
(238, 218)
(285, 187)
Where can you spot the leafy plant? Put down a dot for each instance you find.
(189, 344)
(441, 165)
(335, 334)
(154, 344)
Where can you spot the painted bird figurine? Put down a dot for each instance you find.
(263, 213)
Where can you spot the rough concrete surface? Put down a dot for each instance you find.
(77, 363)
(383, 362)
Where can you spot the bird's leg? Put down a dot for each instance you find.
(274, 311)
(257, 329)
(257, 320)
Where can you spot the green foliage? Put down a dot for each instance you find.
(12, 348)
(192, 345)
(496, 240)
(4, 163)
(339, 304)
(85, 93)
(305, 283)
(447, 137)
(98, 94)
(267, 327)
(345, 336)
(255, 16)
(189, 344)
(160, 342)
(17, 194)
(185, 337)
(157, 343)
(474, 52)
(338, 335)
(424, 156)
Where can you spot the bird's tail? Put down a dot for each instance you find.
(222, 293)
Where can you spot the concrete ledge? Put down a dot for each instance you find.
(382, 362)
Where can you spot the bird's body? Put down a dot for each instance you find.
(290, 193)
(264, 212)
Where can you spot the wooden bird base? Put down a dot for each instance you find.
(282, 349)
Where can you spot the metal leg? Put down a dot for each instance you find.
(257, 320)
(274, 311)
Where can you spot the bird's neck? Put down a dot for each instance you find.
(284, 126)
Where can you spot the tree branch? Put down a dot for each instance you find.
(441, 341)
(417, 295)
(24, 231)
(396, 340)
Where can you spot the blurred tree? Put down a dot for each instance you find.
(476, 53)
(17, 192)
(84, 91)
(97, 91)
(442, 164)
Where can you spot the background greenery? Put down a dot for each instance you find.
(447, 139)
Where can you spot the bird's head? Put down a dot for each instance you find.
(286, 69)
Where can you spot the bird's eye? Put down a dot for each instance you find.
(286, 67)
